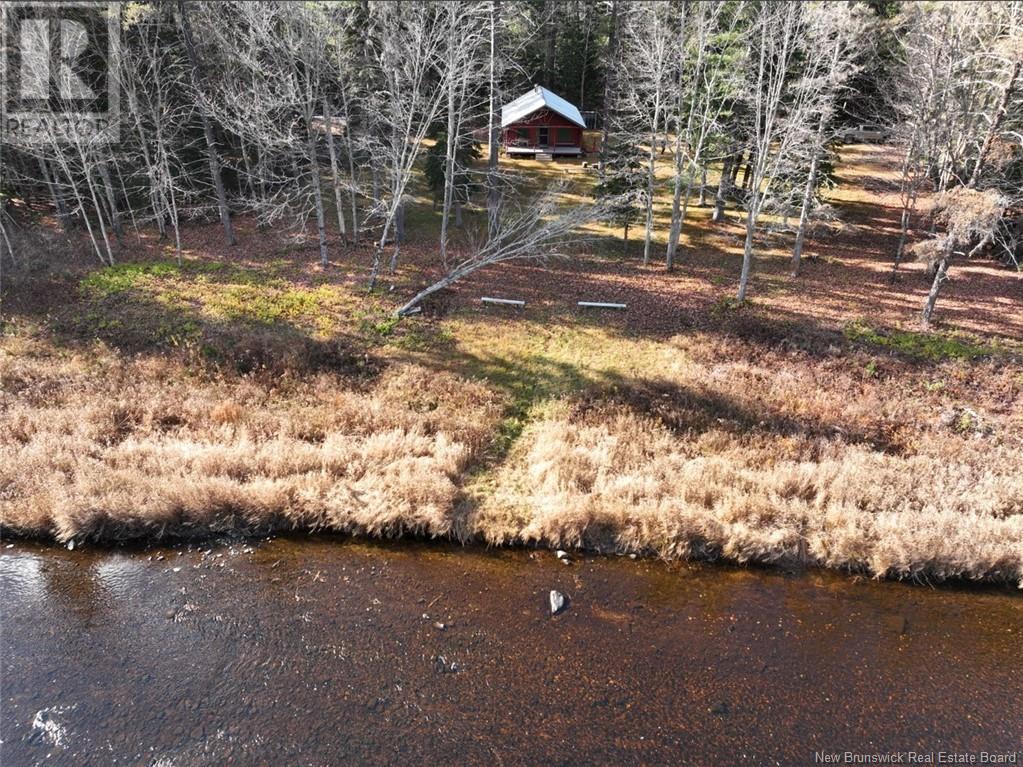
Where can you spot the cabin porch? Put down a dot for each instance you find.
(523, 150)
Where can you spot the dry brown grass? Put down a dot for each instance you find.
(696, 446)
(250, 390)
(777, 457)
(617, 480)
(97, 446)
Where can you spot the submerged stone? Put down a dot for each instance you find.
(557, 600)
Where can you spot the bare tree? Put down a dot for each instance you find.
(212, 152)
(704, 89)
(408, 47)
(970, 217)
(835, 38)
(154, 116)
(493, 124)
(960, 77)
(650, 47)
(463, 68)
(781, 101)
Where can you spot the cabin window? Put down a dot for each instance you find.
(544, 136)
(565, 136)
(522, 134)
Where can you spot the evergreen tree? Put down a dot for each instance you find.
(623, 181)
(467, 152)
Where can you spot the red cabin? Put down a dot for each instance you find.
(541, 124)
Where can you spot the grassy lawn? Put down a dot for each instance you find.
(249, 389)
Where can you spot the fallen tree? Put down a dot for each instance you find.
(534, 232)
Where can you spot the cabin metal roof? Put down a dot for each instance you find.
(538, 98)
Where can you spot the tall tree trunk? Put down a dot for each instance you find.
(399, 235)
(677, 215)
(111, 198)
(80, 206)
(317, 187)
(586, 56)
(335, 172)
(550, 42)
(352, 189)
(651, 178)
(676, 202)
(736, 167)
(804, 214)
(378, 251)
(5, 242)
(262, 166)
(904, 219)
(747, 254)
(811, 177)
(940, 278)
(493, 199)
(721, 196)
(97, 206)
(941, 273)
(52, 183)
(247, 184)
(999, 117)
(907, 191)
(746, 172)
(207, 127)
(451, 138)
(173, 209)
(612, 41)
(703, 186)
(131, 210)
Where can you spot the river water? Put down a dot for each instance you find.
(326, 651)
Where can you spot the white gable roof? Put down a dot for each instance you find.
(535, 99)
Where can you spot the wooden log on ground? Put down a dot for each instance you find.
(503, 301)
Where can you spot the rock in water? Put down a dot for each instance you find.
(557, 602)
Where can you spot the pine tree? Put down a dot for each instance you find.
(623, 181)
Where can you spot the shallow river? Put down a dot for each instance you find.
(323, 651)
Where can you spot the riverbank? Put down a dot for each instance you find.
(248, 390)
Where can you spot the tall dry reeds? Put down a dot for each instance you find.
(751, 458)
(97, 446)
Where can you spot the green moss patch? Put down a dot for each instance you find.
(926, 346)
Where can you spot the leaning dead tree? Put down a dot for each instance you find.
(538, 231)
(970, 218)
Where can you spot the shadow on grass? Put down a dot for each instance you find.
(134, 309)
(687, 412)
